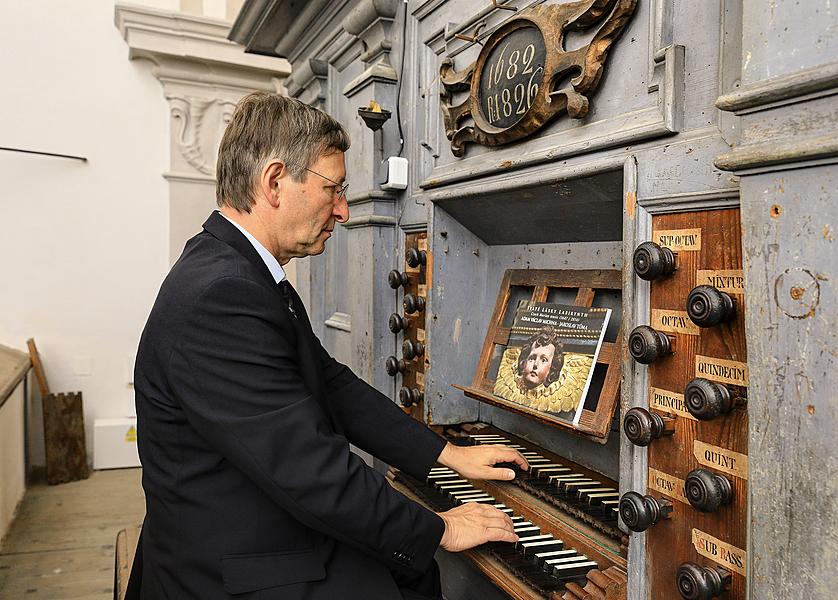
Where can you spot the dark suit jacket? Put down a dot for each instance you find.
(244, 425)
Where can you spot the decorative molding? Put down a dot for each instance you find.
(414, 227)
(805, 84)
(285, 28)
(502, 181)
(340, 321)
(370, 221)
(371, 22)
(661, 27)
(310, 74)
(188, 113)
(777, 152)
(691, 201)
(622, 130)
(156, 34)
(428, 7)
(371, 196)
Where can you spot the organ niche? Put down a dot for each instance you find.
(565, 513)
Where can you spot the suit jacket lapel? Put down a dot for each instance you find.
(225, 231)
(221, 228)
(309, 357)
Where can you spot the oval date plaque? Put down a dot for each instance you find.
(510, 77)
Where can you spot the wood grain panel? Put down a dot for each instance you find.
(669, 543)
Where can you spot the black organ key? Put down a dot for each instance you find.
(453, 484)
(514, 467)
(541, 557)
(593, 489)
(459, 494)
(560, 480)
(479, 500)
(531, 548)
(573, 570)
(548, 468)
(571, 488)
(609, 509)
(531, 539)
(602, 497)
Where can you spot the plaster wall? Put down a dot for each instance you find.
(12, 471)
(84, 243)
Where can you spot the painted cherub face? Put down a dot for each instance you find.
(537, 366)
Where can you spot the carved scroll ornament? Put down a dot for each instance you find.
(523, 78)
(200, 124)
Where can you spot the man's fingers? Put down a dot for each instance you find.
(501, 521)
(494, 534)
(510, 455)
(499, 474)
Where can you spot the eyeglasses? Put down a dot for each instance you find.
(340, 190)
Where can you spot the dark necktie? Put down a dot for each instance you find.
(287, 295)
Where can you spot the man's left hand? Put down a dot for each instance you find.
(478, 462)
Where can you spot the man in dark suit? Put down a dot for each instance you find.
(245, 421)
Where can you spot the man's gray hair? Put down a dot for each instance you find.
(267, 127)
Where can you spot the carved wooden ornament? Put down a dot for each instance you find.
(523, 78)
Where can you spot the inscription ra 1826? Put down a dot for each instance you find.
(511, 76)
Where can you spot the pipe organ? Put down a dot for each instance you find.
(591, 155)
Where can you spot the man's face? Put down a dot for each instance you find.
(312, 207)
(538, 365)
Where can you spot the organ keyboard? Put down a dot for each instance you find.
(565, 517)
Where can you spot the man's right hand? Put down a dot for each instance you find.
(473, 524)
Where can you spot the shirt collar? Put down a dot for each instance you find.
(277, 272)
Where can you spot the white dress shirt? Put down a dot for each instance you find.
(271, 262)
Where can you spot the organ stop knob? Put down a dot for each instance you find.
(396, 279)
(398, 323)
(707, 491)
(646, 345)
(411, 349)
(410, 397)
(652, 261)
(707, 306)
(394, 366)
(642, 426)
(695, 582)
(641, 512)
(707, 399)
(415, 257)
(413, 303)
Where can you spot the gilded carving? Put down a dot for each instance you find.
(535, 80)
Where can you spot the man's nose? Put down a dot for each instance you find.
(341, 211)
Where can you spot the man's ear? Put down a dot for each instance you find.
(274, 175)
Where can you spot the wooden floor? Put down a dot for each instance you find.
(61, 545)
